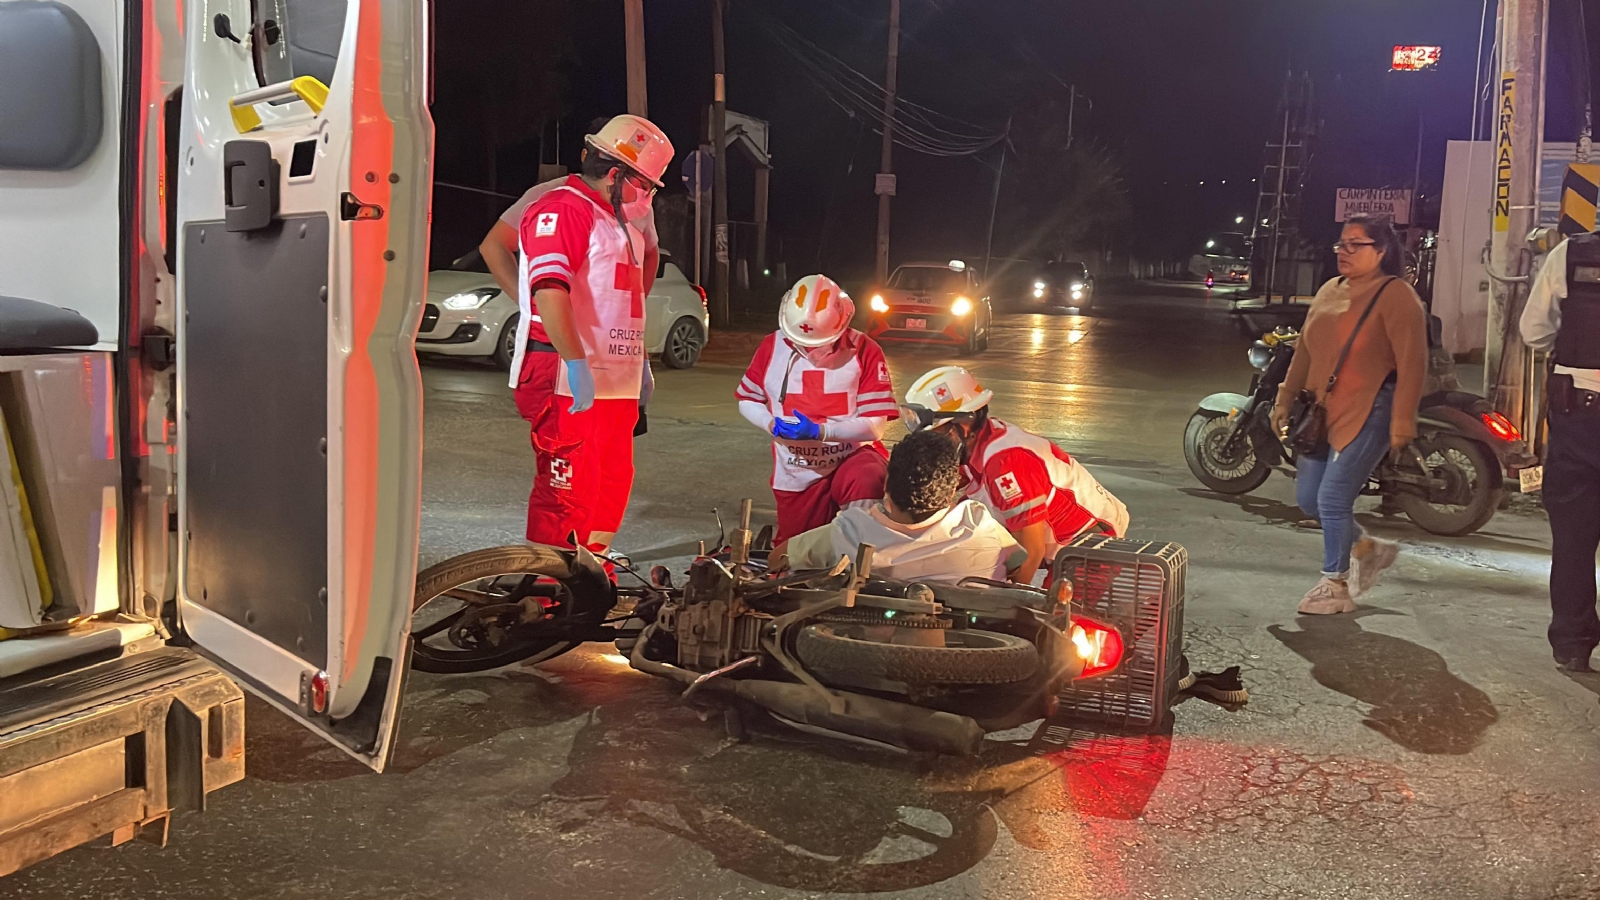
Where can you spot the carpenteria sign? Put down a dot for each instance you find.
(1395, 203)
(1413, 59)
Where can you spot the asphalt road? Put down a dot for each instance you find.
(1422, 747)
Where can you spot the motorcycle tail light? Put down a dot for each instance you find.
(704, 301)
(1099, 646)
(1501, 427)
(319, 692)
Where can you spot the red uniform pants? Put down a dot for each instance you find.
(860, 476)
(583, 462)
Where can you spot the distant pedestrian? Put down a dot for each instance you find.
(1563, 314)
(1364, 354)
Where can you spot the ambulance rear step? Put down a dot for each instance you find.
(112, 750)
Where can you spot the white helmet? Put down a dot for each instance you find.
(942, 393)
(815, 312)
(636, 141)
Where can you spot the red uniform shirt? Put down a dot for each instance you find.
(1025, 479)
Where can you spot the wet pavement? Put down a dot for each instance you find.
(1422, 747)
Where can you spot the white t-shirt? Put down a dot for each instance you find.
(964, 541)
(513, 214)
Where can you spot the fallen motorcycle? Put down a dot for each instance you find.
(1450, 480)
(839, 652)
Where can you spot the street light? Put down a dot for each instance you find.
(1238, 220)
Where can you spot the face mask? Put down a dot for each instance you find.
(635, 202)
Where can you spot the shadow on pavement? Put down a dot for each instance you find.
(1416, 701)
(1270, 510)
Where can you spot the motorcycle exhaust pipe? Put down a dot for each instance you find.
(885, 721)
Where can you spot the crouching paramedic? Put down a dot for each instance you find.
(1044, 496)
(821, 390)
(922, 531)
(580, 262)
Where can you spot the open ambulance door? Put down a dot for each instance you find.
(302, 224)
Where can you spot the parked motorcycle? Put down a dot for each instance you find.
(1449, 481)
(839, 651)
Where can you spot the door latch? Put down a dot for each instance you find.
(249, 185)
(351, 209)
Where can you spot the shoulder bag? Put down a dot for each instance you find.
(1308, 416)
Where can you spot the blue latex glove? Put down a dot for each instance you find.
(800, 429)
(581, 380)
(647, 385)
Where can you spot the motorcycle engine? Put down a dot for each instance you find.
(713, 626)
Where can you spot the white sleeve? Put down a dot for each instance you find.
(513, 214)
(756, 414)
(1541, 318)
(863, 429)
(813, 549)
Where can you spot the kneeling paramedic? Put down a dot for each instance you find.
(1044, 496)
(580, 263)
(922, 531)
(822, 390)
(1563, 316)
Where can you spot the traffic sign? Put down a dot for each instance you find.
(697, 172)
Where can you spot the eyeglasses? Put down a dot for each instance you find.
(647, 187)
(1352, 246)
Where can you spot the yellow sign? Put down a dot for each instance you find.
(1502, 152)
(1580, 194)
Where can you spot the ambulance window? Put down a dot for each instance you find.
(290, 38)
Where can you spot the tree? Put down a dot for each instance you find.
(1062, 193)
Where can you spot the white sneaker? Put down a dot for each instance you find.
(1370, 567)
(1328, 598)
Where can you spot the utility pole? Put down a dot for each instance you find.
(1507, 362)
(719, 176)
(1277, 209)
(994, 202)
(885, 185)
(633, 26)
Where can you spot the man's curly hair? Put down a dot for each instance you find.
(924, 474)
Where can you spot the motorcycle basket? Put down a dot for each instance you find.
(1136, 586)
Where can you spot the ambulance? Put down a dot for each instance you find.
(213, 254)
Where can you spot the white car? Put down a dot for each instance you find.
(468, 315)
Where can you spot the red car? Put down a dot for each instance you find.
(938, 303)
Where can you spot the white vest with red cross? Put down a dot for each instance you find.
(607, 291)
(1071, 500)
(789, 383)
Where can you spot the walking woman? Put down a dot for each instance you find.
(1364, 354)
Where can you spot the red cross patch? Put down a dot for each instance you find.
(629, 278)
(1008, 487)
(544, 224)
(561, 474)
(814, 400)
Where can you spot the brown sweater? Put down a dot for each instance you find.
(1394, 339)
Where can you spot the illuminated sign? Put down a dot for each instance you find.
(1413, 59)
(1393, 204)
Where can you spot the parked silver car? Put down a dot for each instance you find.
(468, 315)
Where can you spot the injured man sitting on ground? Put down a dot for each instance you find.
(920, 531)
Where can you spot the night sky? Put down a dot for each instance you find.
(1181, 92)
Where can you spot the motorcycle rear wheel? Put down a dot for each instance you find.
(969, 656)
(481, 574)
(1202, 450)
(1468, 465)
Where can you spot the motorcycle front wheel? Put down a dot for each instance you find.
(466, 608)
(1469, 490)
(1204, 449)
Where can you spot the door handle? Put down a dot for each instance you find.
(249, 185)
(307, 88)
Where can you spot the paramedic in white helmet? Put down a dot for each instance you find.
(1042, 495)
(821, 389)
(581, 267)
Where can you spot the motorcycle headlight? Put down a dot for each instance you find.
(470, 299)
(1039, 285)
(961, 307)
(1077, 285)
(1038, 292)
(1260, 355)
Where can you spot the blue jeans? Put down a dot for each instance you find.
(1326, 489)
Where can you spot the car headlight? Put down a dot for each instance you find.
(879, 304)
(1038, 292)
(1077, 285)
(1039, 286)
(1260, 355)
(1077, 294)
(470, 299)
(961, 307)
